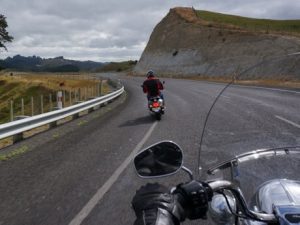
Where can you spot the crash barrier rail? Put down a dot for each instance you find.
(16, 128)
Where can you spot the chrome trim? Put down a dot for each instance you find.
(257, 154)
(235, 190)
(188, 171)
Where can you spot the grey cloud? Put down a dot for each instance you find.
(109, 30)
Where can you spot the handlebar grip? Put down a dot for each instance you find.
(194, 197)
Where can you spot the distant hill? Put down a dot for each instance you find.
(38, 64)
(124, 66)
(189, 42)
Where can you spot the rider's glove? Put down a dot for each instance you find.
(153, 205)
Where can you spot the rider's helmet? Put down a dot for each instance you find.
(150, 73)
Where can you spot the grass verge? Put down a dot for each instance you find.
(14, 153)
(32, 87)
(251, 24)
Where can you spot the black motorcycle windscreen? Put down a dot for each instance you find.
(246, 118)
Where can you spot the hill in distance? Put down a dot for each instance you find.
(125, 66)
(38, 64)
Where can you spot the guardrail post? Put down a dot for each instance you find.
(70, 97)
(18, 137)
(75, 116)
(50, 102)
(22, 106)
(100, 87)
(53, 124)
(42, 104)
(64, 98)
(11, 110)
(32, 107)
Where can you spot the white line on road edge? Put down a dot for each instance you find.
(267, 88)
(86, 210)
(288, 121)
(224, 96)
(248, 86)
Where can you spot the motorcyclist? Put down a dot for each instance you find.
(152, 86)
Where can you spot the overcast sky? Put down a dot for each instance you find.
(109, 30)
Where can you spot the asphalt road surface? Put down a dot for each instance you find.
(85, 176)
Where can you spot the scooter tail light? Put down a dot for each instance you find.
(155, 104)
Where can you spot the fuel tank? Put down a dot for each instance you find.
(280, 196)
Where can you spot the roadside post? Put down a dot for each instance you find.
(11, 110)
(59, 100)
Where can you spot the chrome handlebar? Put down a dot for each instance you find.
(236, 191)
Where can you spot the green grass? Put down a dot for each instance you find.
(14, 153)
(82, 122)
(266, 25)
(16, 92)
(35, 85)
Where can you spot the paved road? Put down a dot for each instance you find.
(84, 176)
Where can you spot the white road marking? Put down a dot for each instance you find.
(288, 121)
(86, 210)
(295, 53)
(224, 96)
(248, 86)
(266, 88)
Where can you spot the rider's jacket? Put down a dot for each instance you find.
(152, 86)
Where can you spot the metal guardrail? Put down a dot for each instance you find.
(18, 127)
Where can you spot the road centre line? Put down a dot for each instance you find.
(288, 121)
(86, 210)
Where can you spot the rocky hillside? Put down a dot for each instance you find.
(184, 44)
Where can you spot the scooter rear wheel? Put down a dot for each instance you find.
(158, 116)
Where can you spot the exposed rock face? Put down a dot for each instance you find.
(184, 45)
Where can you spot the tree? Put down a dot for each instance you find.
(4, 36)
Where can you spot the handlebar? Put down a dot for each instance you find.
(223, 184)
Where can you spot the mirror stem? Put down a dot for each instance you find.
(188, 171)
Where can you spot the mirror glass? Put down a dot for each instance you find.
(164, 158)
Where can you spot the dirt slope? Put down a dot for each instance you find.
(183, 44)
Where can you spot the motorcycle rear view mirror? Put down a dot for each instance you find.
(161, 159)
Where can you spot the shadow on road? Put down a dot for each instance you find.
(138, 121)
